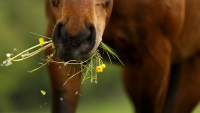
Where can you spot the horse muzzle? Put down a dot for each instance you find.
(74, 46)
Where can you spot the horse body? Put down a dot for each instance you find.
(158, 41)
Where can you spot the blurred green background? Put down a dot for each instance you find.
(20, 90)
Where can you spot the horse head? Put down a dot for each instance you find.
(79, 26)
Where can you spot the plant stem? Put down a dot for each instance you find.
(12, 59)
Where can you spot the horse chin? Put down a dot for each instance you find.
(74, 56)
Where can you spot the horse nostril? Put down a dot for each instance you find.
(89, 39)
(56, 36)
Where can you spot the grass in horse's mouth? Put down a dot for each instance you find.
(92, 65)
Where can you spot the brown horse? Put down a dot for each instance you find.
(158, 41)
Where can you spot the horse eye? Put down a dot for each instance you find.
(55, 2)
(107, 3)
(104, 5)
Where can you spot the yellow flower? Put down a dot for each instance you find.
(41, 40)
(53, 46)
(43, 92)
(99, 69)
(103, 66)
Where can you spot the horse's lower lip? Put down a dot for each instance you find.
(68, 57)
(85, 63)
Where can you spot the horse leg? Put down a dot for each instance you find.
(63, 96)
(188, 92)
(147, 81)
(172, 88)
